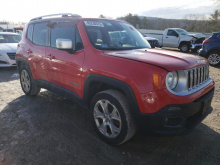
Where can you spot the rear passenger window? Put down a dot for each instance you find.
(40, 34)
(29, 32)
(62, 31)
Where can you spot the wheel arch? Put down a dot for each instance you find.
(21, 62)
(184, 42)
(212, 50)
(97, 83)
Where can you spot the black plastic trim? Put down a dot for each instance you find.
(22, 60)
(116, 84)
(59, 90)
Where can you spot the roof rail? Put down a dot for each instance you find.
(56, 15)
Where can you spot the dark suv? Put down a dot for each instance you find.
(211, 49)
(107, 66)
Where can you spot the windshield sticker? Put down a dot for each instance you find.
(93, 23)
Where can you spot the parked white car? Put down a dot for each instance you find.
(8, 48)
(179, 38)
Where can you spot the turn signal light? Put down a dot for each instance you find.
(156, 79)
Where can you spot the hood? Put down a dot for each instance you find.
(198, 35)
(169, 60)
(8, 47)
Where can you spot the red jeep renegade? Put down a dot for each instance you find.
(109, 68)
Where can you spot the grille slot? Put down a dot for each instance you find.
(199, 41)
(197, 76)
(11, 56)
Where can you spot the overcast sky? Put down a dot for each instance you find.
(24, 10)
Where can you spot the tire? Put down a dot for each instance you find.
(195, 50)
(214, 58)
(28, 84)
(184, 47)
(111, 117)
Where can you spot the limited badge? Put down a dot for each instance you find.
(93, 23)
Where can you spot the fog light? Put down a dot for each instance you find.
(173, 121)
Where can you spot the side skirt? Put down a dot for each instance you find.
(59, 90)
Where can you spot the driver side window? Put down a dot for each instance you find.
(62, 31)
(171, 33)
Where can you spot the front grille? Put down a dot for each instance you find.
(197, 76)
(199, 41)
(153, 43)
(11, 56)
(3, 62)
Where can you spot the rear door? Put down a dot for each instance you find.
(171, 39)
(36, 47)
(65, 66)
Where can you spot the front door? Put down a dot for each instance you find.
(64, 67)
(171, 39)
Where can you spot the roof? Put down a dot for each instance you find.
(58, 17)
(65, 17)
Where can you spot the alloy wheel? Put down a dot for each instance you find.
(25, 81)
(184, 48)
(107, 118)
(214, 59)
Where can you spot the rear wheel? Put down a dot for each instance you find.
(214, 58)
(111, 117)
(28, 84)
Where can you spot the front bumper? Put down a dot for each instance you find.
(7, 59)
(196, 46)
(177, 119)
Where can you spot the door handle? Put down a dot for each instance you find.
(167, 37)
(50, 56)
(29, 51)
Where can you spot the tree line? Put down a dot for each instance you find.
(191, 22)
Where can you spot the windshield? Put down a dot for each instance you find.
(114, 35)
(182, 32)
(5, 38)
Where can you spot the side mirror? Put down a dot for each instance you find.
(64, 44)
(177, 35)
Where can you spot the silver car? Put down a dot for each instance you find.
(8, 48)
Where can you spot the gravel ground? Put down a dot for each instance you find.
(48, 129)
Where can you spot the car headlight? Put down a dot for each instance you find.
(186, 82)
(194, 40)
(172, 79)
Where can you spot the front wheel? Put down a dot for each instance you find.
(184, 47)
(112, 118)
(214, 58)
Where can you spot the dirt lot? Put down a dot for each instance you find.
(48, 129)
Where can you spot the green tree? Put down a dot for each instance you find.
(144, 23)
(102, 16)
(215, 20)
(132, 19)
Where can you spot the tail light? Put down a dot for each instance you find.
(205, 41)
